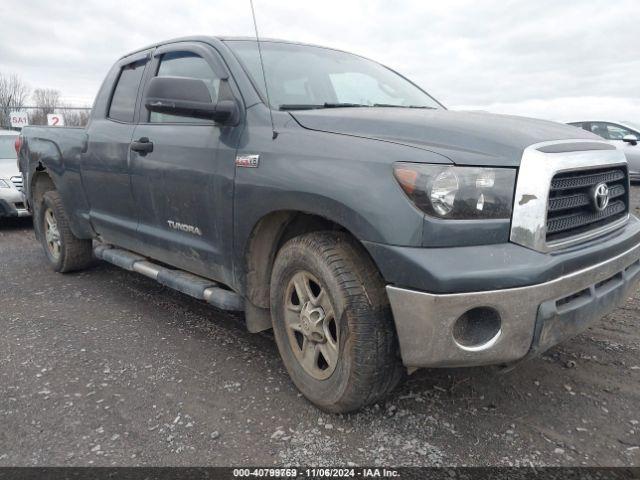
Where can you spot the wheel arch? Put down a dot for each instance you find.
(43, 179)
(267, 237)
(41, 182)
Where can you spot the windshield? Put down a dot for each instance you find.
(301, 76)
(634, 125)
(7, 146)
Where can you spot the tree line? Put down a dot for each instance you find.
(16, 95)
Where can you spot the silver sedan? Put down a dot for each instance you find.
(625, 135)
(12, 202)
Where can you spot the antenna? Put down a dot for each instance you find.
(264, 75)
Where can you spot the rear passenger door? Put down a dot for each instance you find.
(105, 162)
(183, 188)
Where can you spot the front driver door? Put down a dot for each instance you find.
(183, 188)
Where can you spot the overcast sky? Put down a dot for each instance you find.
(556, 59)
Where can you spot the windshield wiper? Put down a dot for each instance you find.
(296, 106)
(344, 105)
(303, 106)
(403, 106)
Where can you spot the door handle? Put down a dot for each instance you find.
(142, 145)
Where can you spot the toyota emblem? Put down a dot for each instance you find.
(601, 196)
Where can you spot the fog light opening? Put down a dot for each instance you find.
(477, 329)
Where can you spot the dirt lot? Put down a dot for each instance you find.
(106, 367)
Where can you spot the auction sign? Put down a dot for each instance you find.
(55, 120)
(19, 119)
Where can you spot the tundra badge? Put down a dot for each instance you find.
(184, 227)
(248, 161)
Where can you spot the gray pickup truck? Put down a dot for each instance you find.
(374, 230)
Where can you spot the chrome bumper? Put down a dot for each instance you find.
(12, 203)
(533, 318)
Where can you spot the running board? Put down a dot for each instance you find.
(193, 285)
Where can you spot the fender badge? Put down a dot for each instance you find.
(248, 161)
(184, 227)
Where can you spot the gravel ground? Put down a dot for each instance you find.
(106, 367)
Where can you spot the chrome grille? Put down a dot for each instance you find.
(17, 182)
(571, 209)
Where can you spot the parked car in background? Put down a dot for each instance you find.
(622, 134)
(12, 203)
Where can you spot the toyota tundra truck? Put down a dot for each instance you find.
(333, 200)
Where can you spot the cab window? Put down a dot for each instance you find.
(123, 101)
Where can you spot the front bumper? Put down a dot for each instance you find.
(12, 203)
(533, 318)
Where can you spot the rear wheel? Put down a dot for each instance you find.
(332, 322)
(63, 249)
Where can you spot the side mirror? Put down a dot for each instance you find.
(631, 139)
(188, 97)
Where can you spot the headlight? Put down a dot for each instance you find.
(4, 184)
(443, 192)
(460, 193)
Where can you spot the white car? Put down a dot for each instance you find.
(624, 135)
(12, 202)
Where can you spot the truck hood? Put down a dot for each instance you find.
(466, 138)
(8, 168)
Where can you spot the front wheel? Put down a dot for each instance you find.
(332, 322)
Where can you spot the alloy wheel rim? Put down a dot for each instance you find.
(52, 234)
(311, 325)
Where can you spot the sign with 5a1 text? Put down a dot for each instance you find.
(55, 120)
(19, 119)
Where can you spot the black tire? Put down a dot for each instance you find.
(71, 253)
(368, 366)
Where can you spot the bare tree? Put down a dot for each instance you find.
(75, 117)
(13, 93)
(46, 101)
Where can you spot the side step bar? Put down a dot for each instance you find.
(184, 282)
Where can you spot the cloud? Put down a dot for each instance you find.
(546, 58)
